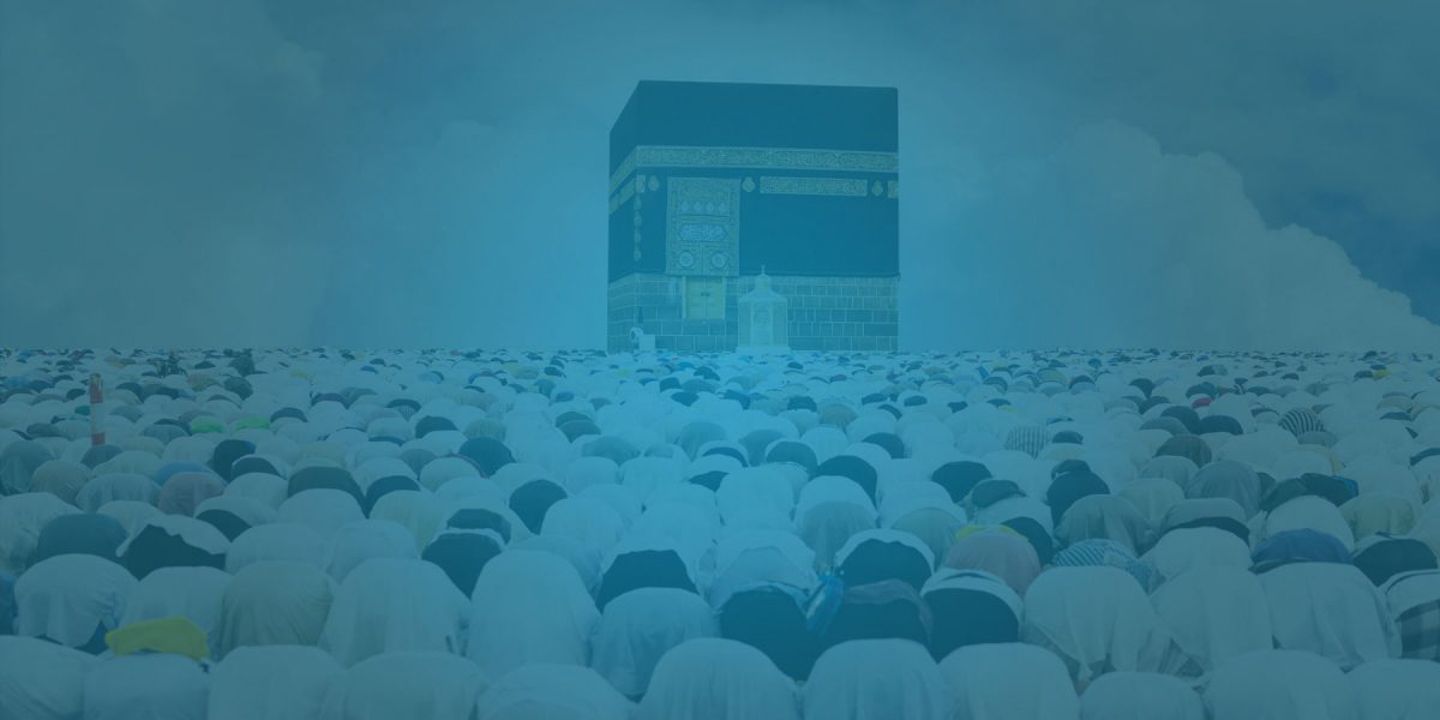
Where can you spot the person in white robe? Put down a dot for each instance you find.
(1009, 681)
(392, 605)
(717, 679)
(876, 680)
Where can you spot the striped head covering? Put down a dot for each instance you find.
(1029, 439)
(1301, 420)
(1101, 553)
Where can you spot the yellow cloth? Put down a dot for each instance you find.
(969, 530)
(171, 635)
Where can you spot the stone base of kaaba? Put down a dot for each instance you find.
(846, 314)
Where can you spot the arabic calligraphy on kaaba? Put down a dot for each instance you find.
(702, 226)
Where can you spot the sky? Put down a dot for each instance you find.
(366, 173)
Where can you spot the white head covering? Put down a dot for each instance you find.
(1009, 681)
(116, 486)
(528, 607)
(924, 510)
(279, 682)
(827, 527)
(67, 597)
(324, 510)
(360, 541)
(588, 520)
(22, 517)
(1280, 685)
(1140, 696)
(1332, 610)
(1307, 512)
(422, 514)
(471, 487)
(1215, 613)
(585, 472)
(440, 471)
(585, 559)
(1198, 547)
(1409, 590)
(553, 692)
(1108, 517)
(1396, 689)
(1152, 496)
(978, 581)
(274, 603)
(409, 685)
(1094, 618)
(832, 489)
(18, 462)
(1017, 507)
(639, 627)
(903, 498)
(154, 687)
(715, 679)
(623, 500)
(194, 593)
(876, 680)
(884, 536)
(756, 497)
(131, 514)
(752, 558)
(393, 605)
(282, 541)
(262, 487)
(380, 467)
(42, 680)
(644, 475)
(1380, 513)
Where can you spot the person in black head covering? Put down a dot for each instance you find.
(1072, 486)
(322, 477)
(970, 608)
(854, 468)
(1382, 557)
(462, 555)
(1036, 534)
(792, 451)
(890, 442)
(874, 561)
(710, 480)
(384, 486)
(886, 609)
(222, 460)
(481, 519)
(1334, 489)
(959, 478)
(772, 621)
(80, 534)
(641, 569)
(488, 454)
(532, 501)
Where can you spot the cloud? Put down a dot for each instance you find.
(1329, 115)
(1109, 241)
(158, 173)
(370, 173)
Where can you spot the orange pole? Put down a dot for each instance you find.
(97, 407)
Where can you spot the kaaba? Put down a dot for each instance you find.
(713, 184)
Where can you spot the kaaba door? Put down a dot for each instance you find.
(704, 298)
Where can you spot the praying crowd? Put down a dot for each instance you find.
(323, 534)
